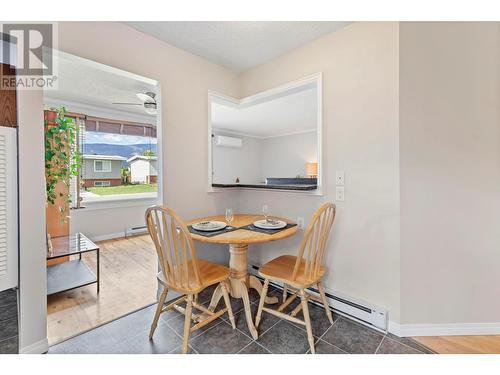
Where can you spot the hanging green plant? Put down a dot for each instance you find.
(62, 158)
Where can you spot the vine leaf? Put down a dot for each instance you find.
(62, 160)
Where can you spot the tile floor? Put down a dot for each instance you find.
(130, 335)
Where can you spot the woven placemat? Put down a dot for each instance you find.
(212, 234)
(267, 231)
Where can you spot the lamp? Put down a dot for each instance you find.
(312, 169)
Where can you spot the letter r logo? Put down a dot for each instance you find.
(31, 40)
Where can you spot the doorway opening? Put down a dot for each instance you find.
(103, 169)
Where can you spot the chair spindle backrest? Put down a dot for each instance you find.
(174, 246)
(312, 248)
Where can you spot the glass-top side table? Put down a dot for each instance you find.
(73, 273)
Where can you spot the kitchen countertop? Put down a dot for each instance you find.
(271, 187)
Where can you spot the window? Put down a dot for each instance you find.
(102, 166)
(102, 183)
(119, 160)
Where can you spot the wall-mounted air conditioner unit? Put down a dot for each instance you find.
(225, 141)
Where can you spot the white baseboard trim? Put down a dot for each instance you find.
(112, 236)
(105, 237)
(39, 347)
(394, 328)
(374, 317)
(454, 329)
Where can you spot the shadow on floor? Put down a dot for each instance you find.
(129, 335)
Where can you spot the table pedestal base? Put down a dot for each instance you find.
(240, 281)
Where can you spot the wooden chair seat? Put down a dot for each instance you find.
(281, 269)
(210, 273)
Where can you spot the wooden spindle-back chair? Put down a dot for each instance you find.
(183, 271)
(297, 273)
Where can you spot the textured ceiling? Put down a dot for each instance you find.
(237, 45)
(89, 83)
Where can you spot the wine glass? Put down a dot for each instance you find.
(265, 211)
(229, 216)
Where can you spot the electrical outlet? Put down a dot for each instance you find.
(300, 222)
(339, 194)
(339, 178)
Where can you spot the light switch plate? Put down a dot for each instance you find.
(339, 194)
(339, 178)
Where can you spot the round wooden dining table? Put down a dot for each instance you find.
(238, 241)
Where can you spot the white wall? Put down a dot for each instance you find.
(139, 170)
(153, 168)
(360, 88)
(450, 174)
(284, 156)
(228, 163)
(33, 249)
(102, 220)
(288, 155)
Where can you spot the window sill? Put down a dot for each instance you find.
(119, 201)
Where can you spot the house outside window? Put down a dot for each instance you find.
(102, 166)
(143, 169)
(119, 161)
(105, 174)
(102, 170)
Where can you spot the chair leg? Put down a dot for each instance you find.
(161, 301)
(263, 295)
(225, 294)
(307, 320)
(321, 289)
(285, 290)
(187, 323)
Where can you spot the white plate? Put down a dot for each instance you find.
(209, 226)
(269, 224)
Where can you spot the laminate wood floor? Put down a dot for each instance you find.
(462, 344)
(128, 283)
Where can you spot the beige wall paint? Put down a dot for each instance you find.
(360, 99)
(286, 156)
(449, 151)
(185, 80)
(229, 163)
(450, 172)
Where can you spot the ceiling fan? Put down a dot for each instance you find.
(148, 102)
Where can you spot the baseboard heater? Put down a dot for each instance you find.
(134, 231)
(367, 315)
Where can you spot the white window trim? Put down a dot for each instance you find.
(120, 201)
(104, 162)
(102, 183)
(256, 98)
